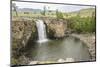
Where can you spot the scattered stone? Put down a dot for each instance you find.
(33, 62)
(70, 60)
(66, 60)
(61, 60)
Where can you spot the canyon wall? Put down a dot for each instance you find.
(24, 29)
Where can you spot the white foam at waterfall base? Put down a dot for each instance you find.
(42, 37)
(42, 41)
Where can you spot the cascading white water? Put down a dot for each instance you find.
(41, 31)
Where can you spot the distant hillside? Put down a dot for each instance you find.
(32, 10)
(28, 10)
(83, 12)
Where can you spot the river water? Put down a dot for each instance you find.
(53, 50)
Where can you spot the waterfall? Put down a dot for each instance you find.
(42, 37)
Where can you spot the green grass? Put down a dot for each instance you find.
(82, 13)
(21, 14)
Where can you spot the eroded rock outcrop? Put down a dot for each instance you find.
(21, 31)
(56, 28)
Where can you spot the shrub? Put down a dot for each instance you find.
(59, 15)
(82, 24)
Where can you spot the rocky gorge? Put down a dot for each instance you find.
(23, 30)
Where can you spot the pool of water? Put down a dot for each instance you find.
(54, 50)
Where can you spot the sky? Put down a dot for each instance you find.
(60, 7)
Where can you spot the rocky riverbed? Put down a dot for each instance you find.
(48, 62)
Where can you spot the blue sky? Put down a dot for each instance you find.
(60, 7)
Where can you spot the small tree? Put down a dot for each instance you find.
(44, 11)
(59, 15)
(15, 8)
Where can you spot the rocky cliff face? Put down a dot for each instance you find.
(56, 28)
(21, 32)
